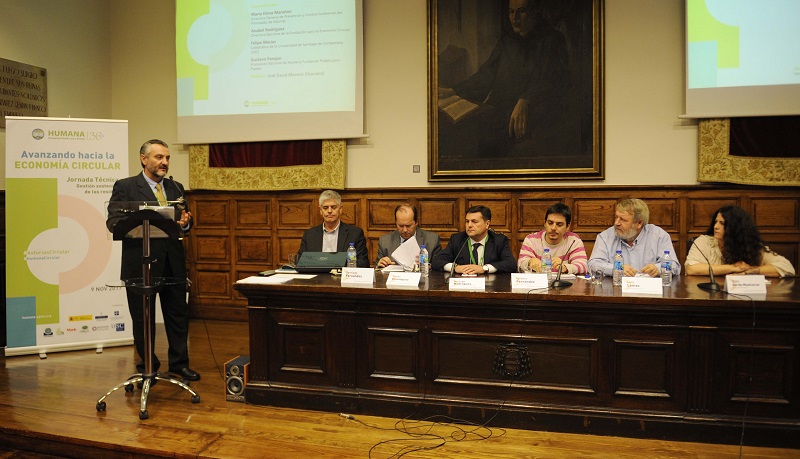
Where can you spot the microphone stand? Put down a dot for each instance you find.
(557, 282)
(711, 286)
(453, 265)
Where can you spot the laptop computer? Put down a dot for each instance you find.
(320, 262)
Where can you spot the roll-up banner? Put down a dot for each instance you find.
(61, 263)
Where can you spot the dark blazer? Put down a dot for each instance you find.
(388, 243)
(165, 252)
(312, 242)
(496, 253)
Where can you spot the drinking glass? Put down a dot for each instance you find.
(597, 276)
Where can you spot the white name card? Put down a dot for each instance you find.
(523, 282)
(642, 285)
(467, 284)
(745, 283)
(398, 279)
(358, 276)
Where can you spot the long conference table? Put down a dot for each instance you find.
(689, 365)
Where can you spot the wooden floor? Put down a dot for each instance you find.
(47, 409)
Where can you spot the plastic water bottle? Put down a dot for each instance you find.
(352, 256)
(547, 264)
(666, 269)
(424, 261)
(617, 269)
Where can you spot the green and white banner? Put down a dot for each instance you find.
(59, 254)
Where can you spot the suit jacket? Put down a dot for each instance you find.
(168, 255)
(496, 253)
(389, 242)
(312, 242)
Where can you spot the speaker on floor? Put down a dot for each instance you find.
(236, 376)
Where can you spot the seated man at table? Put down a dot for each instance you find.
(334, 235)
(642, 244)
(478, 250)
(407, 220)
(566, 248)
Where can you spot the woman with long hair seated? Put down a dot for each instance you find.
(733, 245)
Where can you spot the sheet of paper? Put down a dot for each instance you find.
(261, 280)
(407, 253)
(392, 269)
(293, 275)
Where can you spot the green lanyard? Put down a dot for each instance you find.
(472, 256)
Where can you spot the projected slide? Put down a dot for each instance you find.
(743, 43)
(261, 57)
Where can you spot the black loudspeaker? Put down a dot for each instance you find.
(236, 376)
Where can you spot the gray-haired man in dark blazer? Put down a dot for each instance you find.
(334, 235)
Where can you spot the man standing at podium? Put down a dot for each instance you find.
(167, 255)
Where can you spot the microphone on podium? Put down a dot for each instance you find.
(557, 282)
(711, 286)
(181, 202)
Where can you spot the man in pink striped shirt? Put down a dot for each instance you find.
(566, 247)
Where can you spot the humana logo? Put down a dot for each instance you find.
(66, 134)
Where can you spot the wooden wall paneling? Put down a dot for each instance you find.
(295, 216)
(775, 215)
(590, 216)
(211, 212)
(778, 218)
(380, 220)
(531, 213)
(254, 249)
(296, 213)
(664, 213)
(440, 214)
(351, 212)
(253, 214)
(214, 283)
(212, 248)
(757, 376)
(380, 215)
(700, 210)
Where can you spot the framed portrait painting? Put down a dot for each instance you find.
(515, 89)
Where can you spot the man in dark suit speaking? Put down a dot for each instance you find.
(334, 235)
(152, 186)
(478, 250)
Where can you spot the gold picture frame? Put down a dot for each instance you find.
(477, 130)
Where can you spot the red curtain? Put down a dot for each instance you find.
(766, 136)
(265, 154)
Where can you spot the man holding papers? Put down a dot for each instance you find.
(477, 250)
(389, 245)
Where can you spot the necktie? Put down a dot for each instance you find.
(160, 196)
(475, 258)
